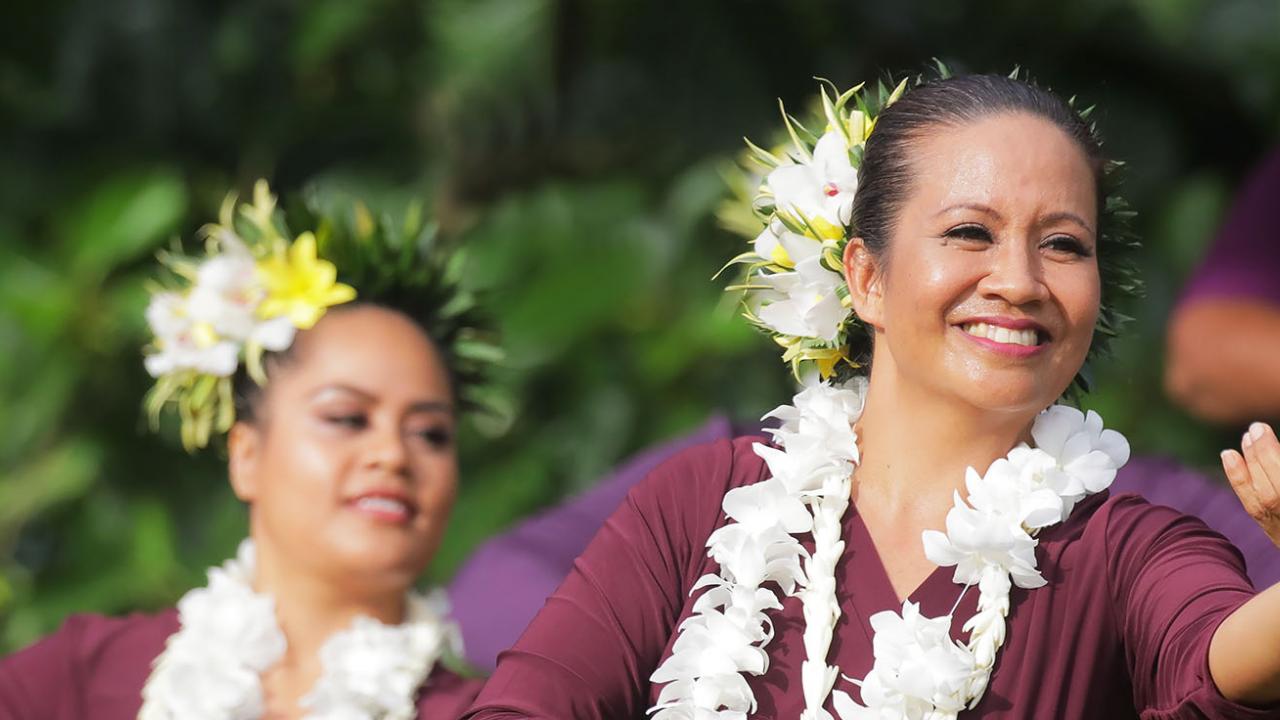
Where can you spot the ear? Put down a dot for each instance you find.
(244, 444)
(866, 283)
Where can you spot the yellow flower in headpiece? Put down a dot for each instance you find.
(825, 358)
(300, 285)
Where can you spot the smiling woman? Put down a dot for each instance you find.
(338, 375)
(345, 457)
(927, 534)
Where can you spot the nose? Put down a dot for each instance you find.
(1015, 275)
(386, 450)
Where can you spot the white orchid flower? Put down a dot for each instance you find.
(1083, 447)
(741, 603)
(181, 352)
(755, 558)
(1015, 490)
(766, 505)
(919, 672)
(275, 334)
(821, 189)
(178, 347)
(700, 699)
(975, 539)
(711, 644)
(226, 295)
(167, 314)
(803, 303)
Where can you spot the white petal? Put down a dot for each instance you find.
(275, 334)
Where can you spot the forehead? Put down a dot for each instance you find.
(372, 348)
(1018, 162)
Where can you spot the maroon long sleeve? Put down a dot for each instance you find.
(1121, 631)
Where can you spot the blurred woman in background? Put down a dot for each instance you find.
(339, 400)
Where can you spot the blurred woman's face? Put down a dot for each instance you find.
(350, 469)
(991, 288)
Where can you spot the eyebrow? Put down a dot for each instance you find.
(1050, 218)
(970, 206)
(434, 406)
(1070, 216)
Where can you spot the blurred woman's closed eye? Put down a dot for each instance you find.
(346, 421)
(438, 438)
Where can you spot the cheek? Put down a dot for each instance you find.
(926, 286)
(437, 488)
(303, 475)
(1079, 294)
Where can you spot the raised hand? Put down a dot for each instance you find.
(1254, 472)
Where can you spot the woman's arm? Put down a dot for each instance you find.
(1244, 656)
(42, 681)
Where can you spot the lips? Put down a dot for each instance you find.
(1010, 337)
(386, 506)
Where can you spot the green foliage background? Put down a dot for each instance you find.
(575, 147)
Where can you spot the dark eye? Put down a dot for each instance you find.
(1067, 244)
(353, 421)
(969, 231)
(437, 437)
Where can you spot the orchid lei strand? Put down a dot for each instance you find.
(210, 669)
(919, 672)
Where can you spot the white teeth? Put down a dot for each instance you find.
(382, 504)
(1001, 334)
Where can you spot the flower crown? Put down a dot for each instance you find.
(254, 289)
(794, 288)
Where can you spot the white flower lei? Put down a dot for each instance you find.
(210, 669)
(919, 672)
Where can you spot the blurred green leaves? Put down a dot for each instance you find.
(119, 219)
(70, 305)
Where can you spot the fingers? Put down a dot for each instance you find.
(1262, 457)
(1258, 482)
(1233, 464)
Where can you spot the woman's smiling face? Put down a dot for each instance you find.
(989, 288)
(351, 469)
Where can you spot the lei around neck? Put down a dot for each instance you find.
(211, 668)
(919, 672)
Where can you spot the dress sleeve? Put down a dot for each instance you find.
(1173, 581)
(42, 682)
(589, 652)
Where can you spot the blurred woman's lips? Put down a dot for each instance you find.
(384, 507)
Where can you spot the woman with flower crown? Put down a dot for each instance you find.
(928, 533)
(339, 400)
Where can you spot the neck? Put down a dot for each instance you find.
(310, 608)
(916, 444)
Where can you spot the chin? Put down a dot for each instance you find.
(378, 560)
(1008, 391)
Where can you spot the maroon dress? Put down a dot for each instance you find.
(95, 667)
(1122, 630)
